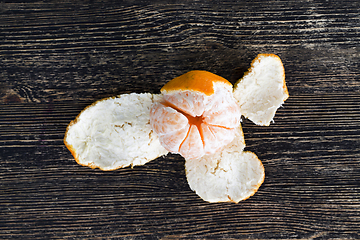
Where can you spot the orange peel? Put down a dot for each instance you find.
(196, 80)
(230, 175)
(114, 132)
(262, 89)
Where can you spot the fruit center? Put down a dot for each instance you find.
(193, 125)
(192, 120)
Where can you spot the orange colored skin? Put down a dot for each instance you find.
(204, 82)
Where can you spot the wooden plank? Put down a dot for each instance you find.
(65, 51)
(311, 189)
(57, 57)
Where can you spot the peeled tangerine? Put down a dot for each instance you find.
(199, 118)
(196, 115)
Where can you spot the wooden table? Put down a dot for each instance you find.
(56, 57)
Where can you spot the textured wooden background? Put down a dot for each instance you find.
(56, 57)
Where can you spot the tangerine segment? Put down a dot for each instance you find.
(199, 81)
(192, 103)
(223, 111)
(165, 120)
(221, 118)
(172, 141)
(215, 138)
(192, 147)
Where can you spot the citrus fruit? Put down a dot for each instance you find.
(262, 90)
(114, 132)
(197, 114)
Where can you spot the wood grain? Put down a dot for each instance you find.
(52, 50)
(57, 57)
(310, 155)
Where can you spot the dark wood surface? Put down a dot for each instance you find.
(56, 57)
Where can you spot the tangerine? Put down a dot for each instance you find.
(197, 115)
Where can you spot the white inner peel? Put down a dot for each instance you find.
(115, 132)
(262, 91)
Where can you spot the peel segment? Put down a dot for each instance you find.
(230, 175)
(114, 132)
(262, 90)
(198, 81)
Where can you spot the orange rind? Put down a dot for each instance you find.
(230, 175)
(196, 81)
(262, 90)
(114, 132)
